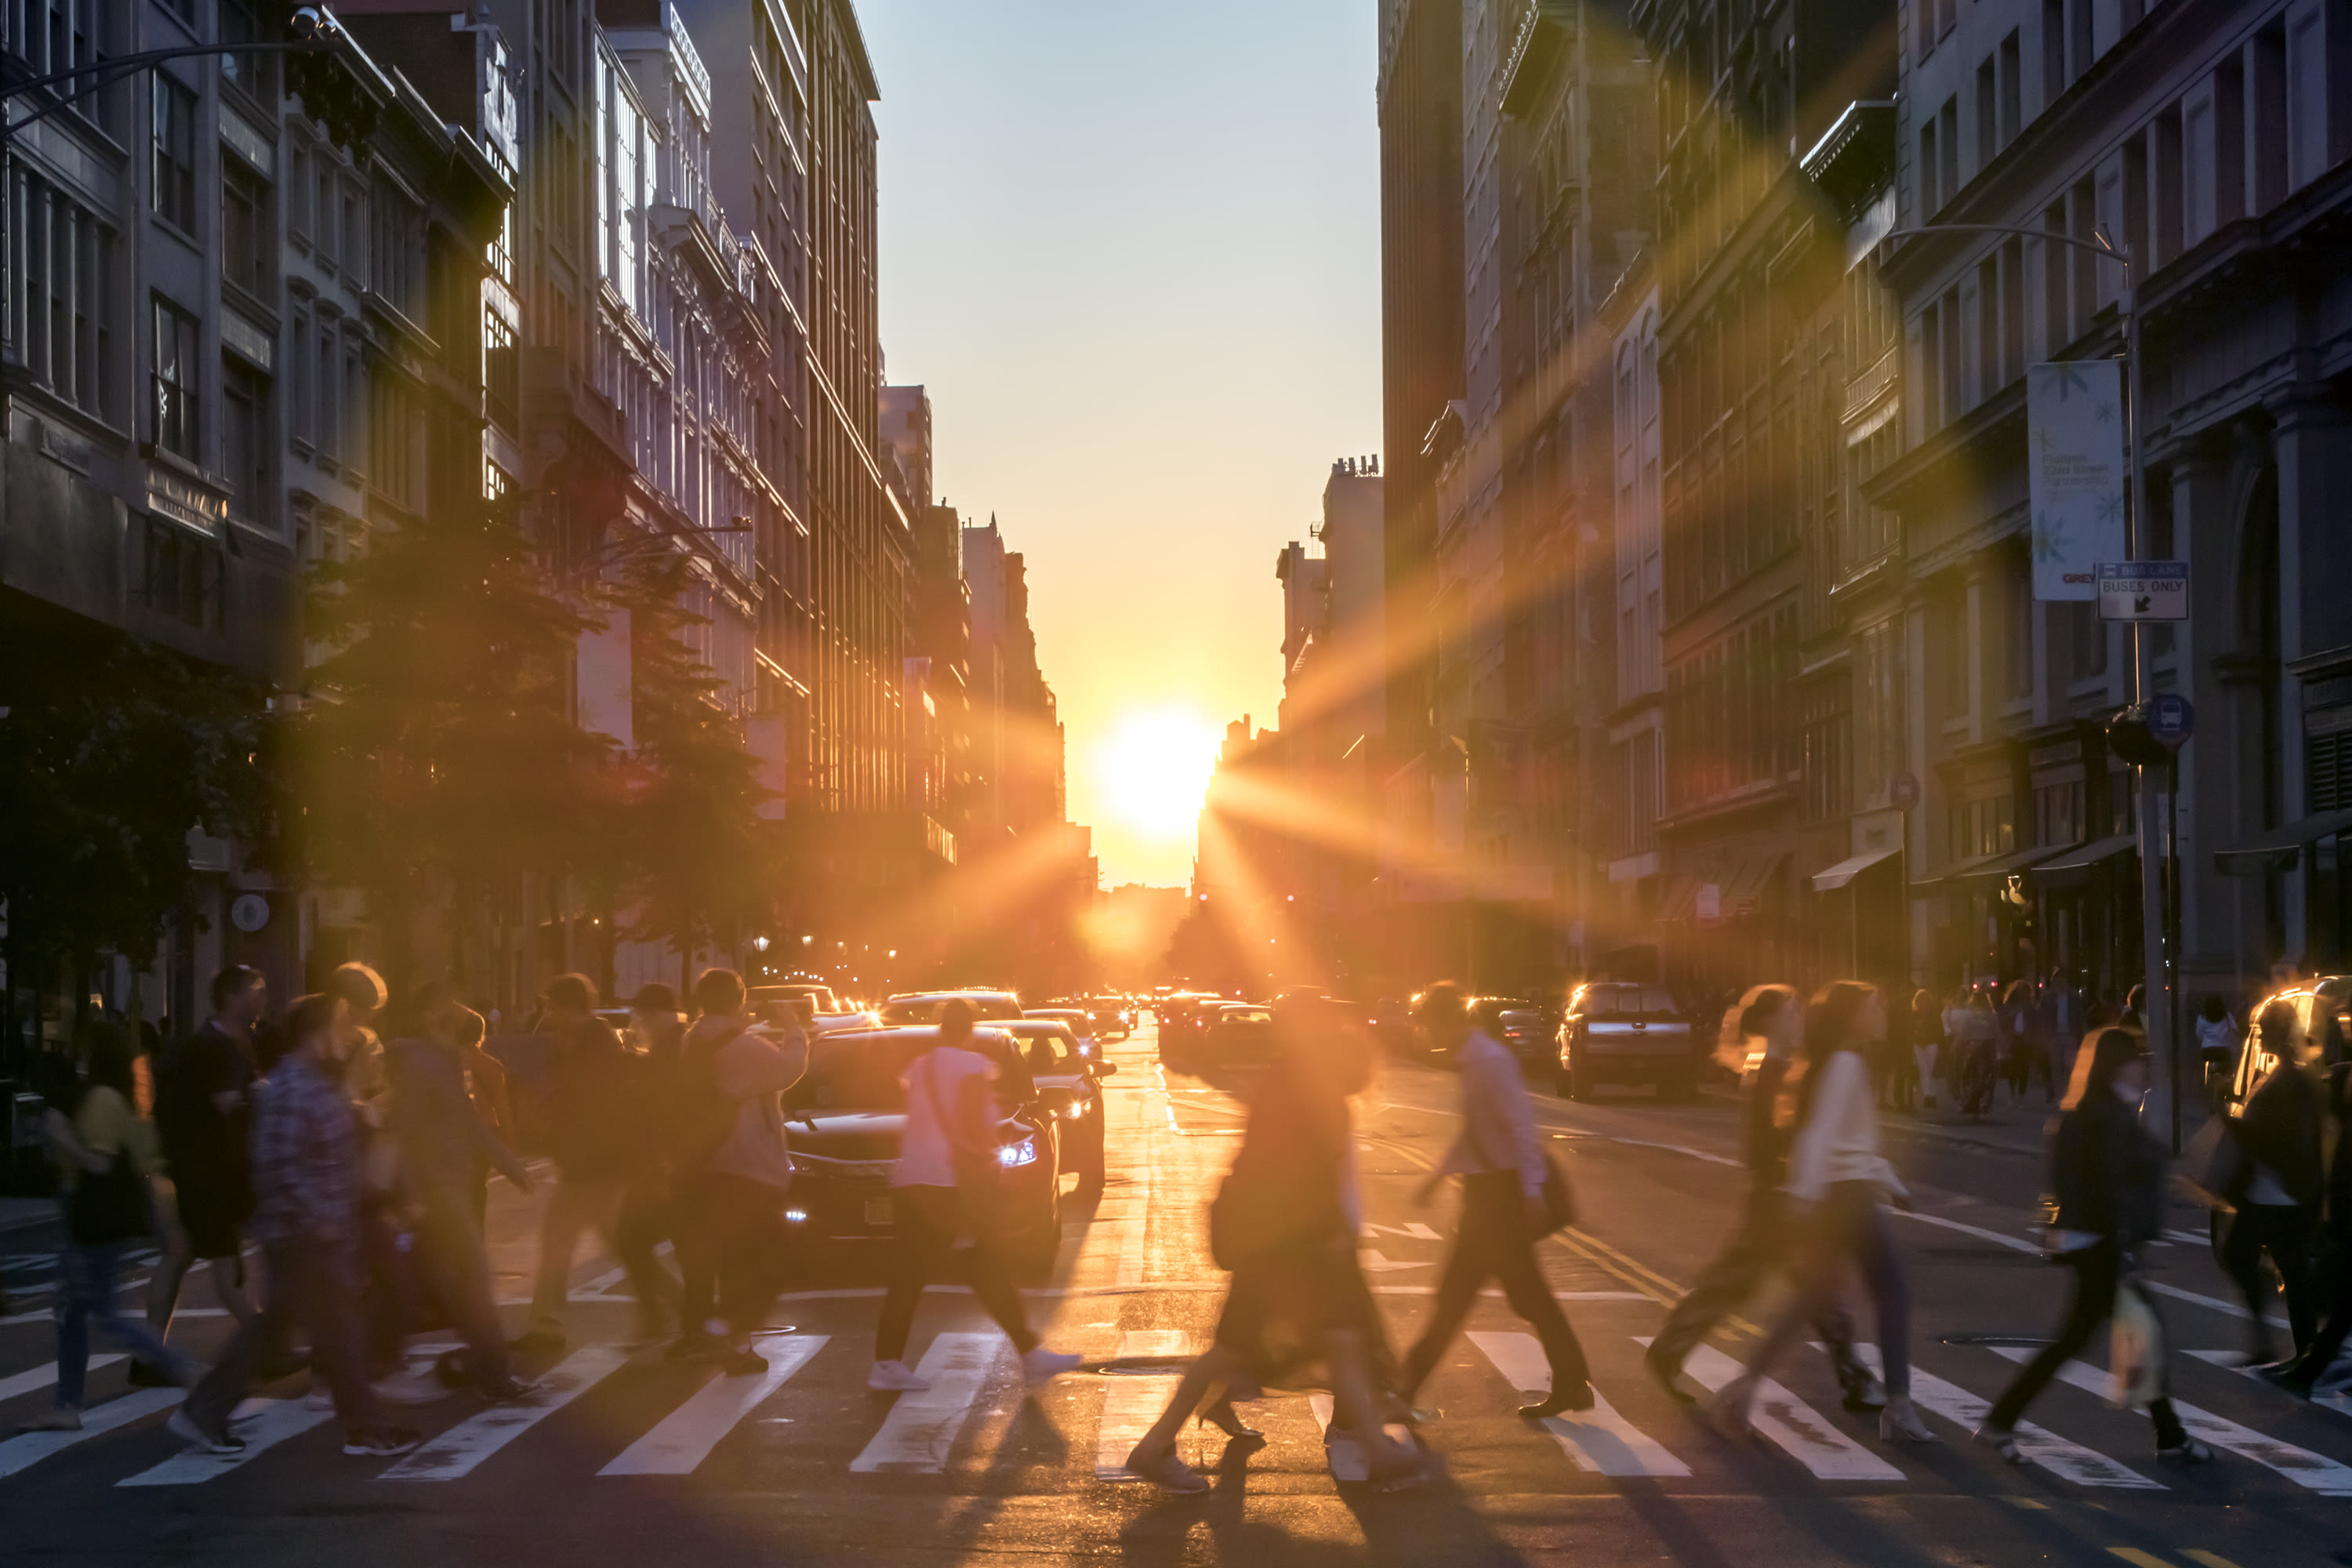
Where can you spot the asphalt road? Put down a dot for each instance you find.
(624, 1457)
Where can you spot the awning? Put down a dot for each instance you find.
(2073, 867)
(2278, 849)
(1748, 887)
(1680, 901)
(1852, 865)
(1986, 868)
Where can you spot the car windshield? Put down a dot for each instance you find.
(1624, 1002)
(1046, 1049)
(857, 1072)
(1523, 1020)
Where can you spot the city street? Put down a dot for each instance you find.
(625, 1456)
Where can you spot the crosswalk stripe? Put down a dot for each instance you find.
(682, 1440)
(2067, 1460)
(1795, 1425)
(262, 1423)
(43, 1376)
(2339, 1400)
(458, 1450)
(921, 1427)
(1346, 1457)
(1598, 1439)
(1132, 1402)
(2315, 1472)
(31, 1448)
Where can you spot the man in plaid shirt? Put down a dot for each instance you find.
(306, 1185)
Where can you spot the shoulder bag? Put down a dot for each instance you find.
(108, 1206)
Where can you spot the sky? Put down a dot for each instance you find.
(1133, 251)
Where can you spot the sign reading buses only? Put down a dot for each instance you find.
(2143, 590)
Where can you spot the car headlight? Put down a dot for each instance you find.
(1012, 1156)
(1074, 1110)
(796, 1216)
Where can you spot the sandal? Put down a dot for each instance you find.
(2002, 1440)
(1166, 1471)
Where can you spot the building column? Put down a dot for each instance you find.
(2315, 470)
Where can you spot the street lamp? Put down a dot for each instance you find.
(313, 26)
(2152, 902)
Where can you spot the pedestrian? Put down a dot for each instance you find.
(360, 998)
(447, 1149)
(106, 1155)
(1283, 1226)
(2217, 1048)
(203, 1087)
(602, 1132)
(1501, 1157)
(1979, 1054)
(2021, 1048)
(2064, 1028)
(306, 1183)
(731, 1189)
(2279, 1191)
(2108, 1177)
(1926, 1039)
(1765, 1240)
(1838, 1185)
(2302, 1375)
(941, 1191)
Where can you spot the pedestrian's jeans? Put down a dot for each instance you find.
(316, 1285)
(2284, 1232)
(929, 1219)
(456, 1267)
(593, 1205)
(2098, 1270)
(1850, 1227)
(1764, 1242)
(1493, 1243)
(90, 1299)
(730, 1246)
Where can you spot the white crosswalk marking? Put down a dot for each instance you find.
(43, 1376)
(31, 1448)
(2339, 1400)
(1598, 1439)
(2315, 1472)
(921, 1427)
(683, 1438)
(262, 1423)
(2068, 1461)
(458, 1450)
(1132, 1402)
(1345, 1456)
(1791, 1423)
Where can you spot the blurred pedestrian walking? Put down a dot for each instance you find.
(1765, 1240)
(447, 1150)
(306, 1181)
(2280, 1190)
(2107, 1178)
(203, 1087)
(943, 1191)
(1838, 1181)
(1926, 1041)
(2064, 1028)
(360, 996)
(602, 1132)
(1283, 1225)
(1501, 1157)
(732, 1243)
(1979, 1051)
(106, 1155)
(2302, 1375)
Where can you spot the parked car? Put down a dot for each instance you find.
(2315, 1002)
(1626, 1033)
(923, 1006)
(1070, 1086)
(1528, 1035)
(1080, 1021)
(1113, 1017)
(847, 1112)
(820, 997)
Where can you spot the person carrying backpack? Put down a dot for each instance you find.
(733, 1167)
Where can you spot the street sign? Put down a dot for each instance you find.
(2170, 720)
(2143, 590)
(249, 913)
(1903, 791)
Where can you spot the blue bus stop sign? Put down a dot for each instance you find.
(2170, 720)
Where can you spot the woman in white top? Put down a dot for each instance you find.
(950, 1131)
(1837, 1175)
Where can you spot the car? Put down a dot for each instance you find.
(1182, 1019)
(1624, 1032)
(923, 1006)
(1528, 1035)
(819, 995)
(1069, 1085)
(845, 1117)
(1113, 1017)
(1236, 1034)
(2315, 1003)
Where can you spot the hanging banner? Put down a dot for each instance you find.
(2074, 465)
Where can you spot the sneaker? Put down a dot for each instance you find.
(380, 1443)
(895, 1378)
(321, 1397)
(744, 1363)
(57, 1418)
(1042, 1365)
(410, 1389)
(145, 1376)
(508, 1390)
(541, 1337)
(183, 1426)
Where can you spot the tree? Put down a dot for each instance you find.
(434, 752)
(700, 861)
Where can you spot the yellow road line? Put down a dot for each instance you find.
(2134, 1555)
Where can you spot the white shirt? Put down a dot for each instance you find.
(936, 1084)
(1839, 1141)
(1498, 1121)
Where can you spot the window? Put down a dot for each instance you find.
(2089, 637)
(245, 442)
(240, 23)
(2021, 637)
(2168, 192)
(2306, 95)
(175, 400)
(299, 196)
(2012, 311)
(244, 237)
(60, 307)
(1931, 199)
(53, 36)
(398, 274)
(175, 153)
(1947, 132)
(299, 408)
(326, 389)
(180, 575)
(1954, 392)
(2054, 50)
(2012, 104)
(501, 375)
(1989, 326)
(1988, 112)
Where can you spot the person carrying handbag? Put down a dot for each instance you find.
(106, 1153)
(942, 1189)
(2108, 1175)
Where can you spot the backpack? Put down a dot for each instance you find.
(702, 1117)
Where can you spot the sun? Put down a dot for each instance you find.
(1153, 769)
